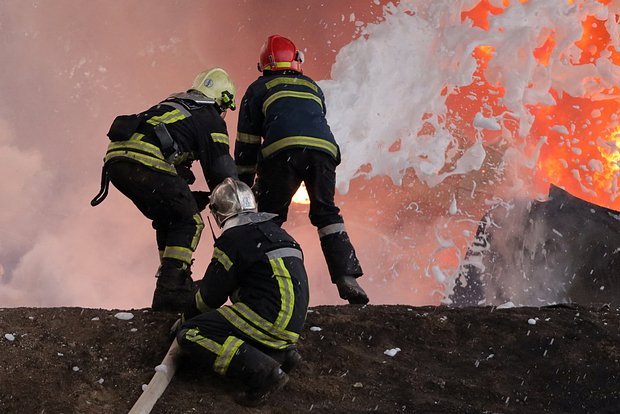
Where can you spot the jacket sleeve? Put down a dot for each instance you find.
(249, 133)
(214, 153)
(219, 282)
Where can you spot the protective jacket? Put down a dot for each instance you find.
(287, 110)
(169, 136)
(260, 268)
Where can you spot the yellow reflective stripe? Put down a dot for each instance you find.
(199, 226)
(229, 349)
(142, 159)
(136, 136)
(192, 335)
(200, 303)
(167, 118)
(276, 65)
(246, 169)
(291, 81)
(287, 298)
(220, 138)
(300, 140)
(290, 94)
(221, 257)
(183, 254)
(248, 138)
(254, 318)
(135, 145)
(249, 330)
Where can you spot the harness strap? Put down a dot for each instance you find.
(103, 191)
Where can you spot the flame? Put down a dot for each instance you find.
(301, 196)
(582, 150)
(610, 151)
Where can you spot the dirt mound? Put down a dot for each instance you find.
(385, 359)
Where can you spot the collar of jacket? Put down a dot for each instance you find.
(192, 95)
(247, 218)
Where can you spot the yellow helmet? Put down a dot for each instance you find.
(215, 83)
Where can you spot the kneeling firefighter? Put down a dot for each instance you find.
(149, 160)
(259, 267)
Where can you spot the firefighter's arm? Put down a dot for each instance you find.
(248, 142)
(214, 154)
(218, 283)
(246, 157)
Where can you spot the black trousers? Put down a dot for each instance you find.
(279, 177)
(212, 341)
(166, 200)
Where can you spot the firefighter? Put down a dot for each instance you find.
(283, 139)
(260, 268)
(149, 160)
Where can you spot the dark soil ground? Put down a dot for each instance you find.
(561, 359)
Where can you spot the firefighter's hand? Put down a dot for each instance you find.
(202, 199)
(185, 172)
(174, 329)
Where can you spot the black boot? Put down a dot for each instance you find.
(289, 358)
(260, 374)
(350, 290)
(174, 289)
(257, 395)
(343, 266)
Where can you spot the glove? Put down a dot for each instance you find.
(185, 172)
(202, 199)
(175, 327)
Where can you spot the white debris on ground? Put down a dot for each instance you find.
(124, 316)
(315, 329)
(391, 352)
(531, 321)
(506, 305)
(9, 337)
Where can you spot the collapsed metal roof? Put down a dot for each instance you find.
(535, 253)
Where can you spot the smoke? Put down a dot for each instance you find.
(69, 68)
(414, 104)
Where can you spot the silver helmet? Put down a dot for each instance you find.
(230, 198)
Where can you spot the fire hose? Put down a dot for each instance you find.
(156, 387)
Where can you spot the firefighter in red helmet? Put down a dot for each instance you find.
(283, 139)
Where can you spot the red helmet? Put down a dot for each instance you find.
(279, 53)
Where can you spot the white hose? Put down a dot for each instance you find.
(163, 375)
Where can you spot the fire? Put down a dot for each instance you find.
(301, 196)
(582, 134)
(610, 151)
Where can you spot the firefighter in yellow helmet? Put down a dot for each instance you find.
(260, 268)
(149, 160)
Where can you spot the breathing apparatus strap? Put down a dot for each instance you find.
(103, 191)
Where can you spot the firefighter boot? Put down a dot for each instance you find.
(174, 289)
(261, 375)
(288, 358)
(342, 263)
(350, 290)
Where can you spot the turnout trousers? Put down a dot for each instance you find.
(279, 177)
(167, 201)
(215, 342)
